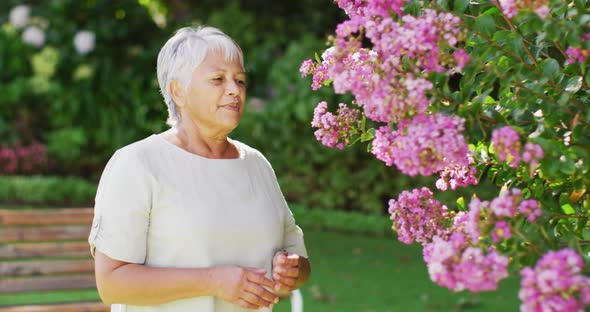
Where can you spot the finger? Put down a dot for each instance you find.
(287, 271)
(282, 288)
(255, 300)
(259, 279)
(257, 270)
(261, 292)
(279, 257)
(288, 282)
(247, 305)
(292, 259)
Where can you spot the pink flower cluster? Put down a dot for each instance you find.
(458, 176)
(507, 146)
(457, 265)
(510, 8)
(417, 217)
(319, 71)
(494, 216)
(577, 54)
(389, 80)
(423, 145)
(381, 8)
(555, 284)
(335, 130)
(23, 159)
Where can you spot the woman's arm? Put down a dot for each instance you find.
(136, 284)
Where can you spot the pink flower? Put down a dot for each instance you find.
(457, 177)
(505, 204)
(576, 55)
(423, 145)
(508, 7)
(555, 284)
(8, 160)
(543, 11)
(462, 58)
(532, 153)
(456, 265)
(335, 130)
(507, 145)
(530, 208)
(417, 217)
(501, 231)
(306, 68)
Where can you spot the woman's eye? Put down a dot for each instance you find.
(241, 82)
(218, 78)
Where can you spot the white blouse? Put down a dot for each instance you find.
(162, 206)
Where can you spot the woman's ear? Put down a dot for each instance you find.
(178, 93)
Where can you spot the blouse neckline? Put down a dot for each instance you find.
(177, 149)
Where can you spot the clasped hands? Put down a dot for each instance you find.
(251, 289)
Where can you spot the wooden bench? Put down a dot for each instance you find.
(43, 250)
(47, 249)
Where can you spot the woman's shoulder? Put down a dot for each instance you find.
(136, 151)
(246, 151)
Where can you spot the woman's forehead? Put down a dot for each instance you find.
(216, 61)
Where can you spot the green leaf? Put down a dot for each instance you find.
(459, 6)
(568, 209)
(485, 24)
(443, 4)
(368, 135)
(574, 84)
(317, 58)
(492, 11)
(461, 203)
(550, 68)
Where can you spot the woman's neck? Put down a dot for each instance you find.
(199, 142)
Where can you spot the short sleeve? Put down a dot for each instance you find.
(122, 209)
(292, 234)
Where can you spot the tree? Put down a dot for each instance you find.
(488, 95)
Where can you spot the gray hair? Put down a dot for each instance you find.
(184, 52)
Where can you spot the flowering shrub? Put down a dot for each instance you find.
(489, 91)
(30, 159)
(76, 75)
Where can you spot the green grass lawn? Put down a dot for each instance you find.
(363, 274)
(359, 273)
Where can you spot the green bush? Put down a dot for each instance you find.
(340, 221)
(82, 106)
(46, 190)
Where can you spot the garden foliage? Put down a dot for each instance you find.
(487, 93)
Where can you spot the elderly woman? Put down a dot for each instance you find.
(189, 219)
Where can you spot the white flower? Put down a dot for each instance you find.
(84, 41)
(19, 16)
(34, 36)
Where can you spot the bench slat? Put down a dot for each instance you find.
(66, 307)
(46, 249)
(45, 267)
(43, 283)
(46, 216)
(44, 233)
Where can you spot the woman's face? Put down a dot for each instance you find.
(216, 94)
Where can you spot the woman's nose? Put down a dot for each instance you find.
(233, 88)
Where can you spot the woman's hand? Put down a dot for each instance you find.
(244, 286)
(289, 272)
